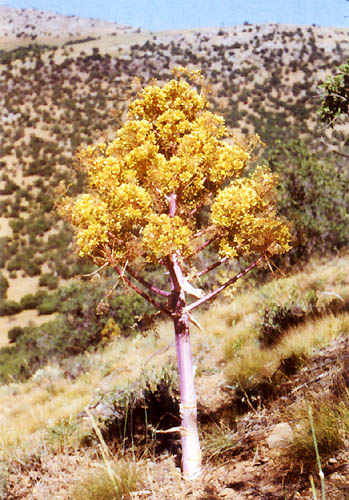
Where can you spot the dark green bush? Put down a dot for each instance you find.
(29, 301)
(14, 333)
(31, 267)
(132, 413)
(80, 301)
(35, 347)
(14, 364)
(14, 264)
(3, 286)
(48, 305)
(9, 308)
(17, 224)
(9, 188)
(38, 225)
(127, 309)
(49, 280)
(277, 318)
(4, 250)
(336, 95)
(314, 196)
(77, 327)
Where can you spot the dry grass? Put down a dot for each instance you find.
(101, 483)
(331, 425)
(229, 333)
(248, 364)
(31, 407)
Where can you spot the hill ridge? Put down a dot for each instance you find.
(35, 23)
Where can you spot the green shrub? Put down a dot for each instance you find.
(335, 101)
(3, 286)
(278, 317)
(313, 195)
(9, 188)
(49, 280)
(9, 308)
(331, 424)
(76, 329)
(80, 301)
(38, 224)
(133, 413)
(14, 364)
(36, 346)
(17, 224)
(14, 333)
(31, 267)
(4, 250)
(48, 305)
(14, 264)
(128, 310)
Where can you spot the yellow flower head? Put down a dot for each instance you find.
(172, 145)
(165, 235)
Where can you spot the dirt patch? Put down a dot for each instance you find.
(21, 286)
(24, 318)
(42, 476)
(5, 229)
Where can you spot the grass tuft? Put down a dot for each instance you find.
(99, 484)
(328, 424)
(219, 442)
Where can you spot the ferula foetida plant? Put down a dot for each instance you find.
(172, 161)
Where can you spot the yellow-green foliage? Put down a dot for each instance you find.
(172, 145)
(331, 424)
(110, 330)
(115, 483)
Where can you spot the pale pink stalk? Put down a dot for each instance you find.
(191, 453)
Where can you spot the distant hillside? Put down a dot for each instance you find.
(265, 80)
(28, 25)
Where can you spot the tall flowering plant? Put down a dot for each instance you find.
(169, 162)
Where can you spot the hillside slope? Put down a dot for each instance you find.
(264, 78)
(245, 392)
(23, 26)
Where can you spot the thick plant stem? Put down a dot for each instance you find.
(191, 453)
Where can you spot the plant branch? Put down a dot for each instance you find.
(145, 283)
(172, 204)
(129, 283)
(210, 268)
(205, 244)
(200, 233)
(220, 289)
(199, 206)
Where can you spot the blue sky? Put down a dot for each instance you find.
(178, 14)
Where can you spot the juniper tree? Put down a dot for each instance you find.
(169, 163)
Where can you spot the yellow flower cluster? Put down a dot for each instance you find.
(171, 145)
(90, 216)
(177, 94)
(245, 216)
(165, 235)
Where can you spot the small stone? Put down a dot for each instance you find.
(338, 478)
(281, 436)
(227, 493)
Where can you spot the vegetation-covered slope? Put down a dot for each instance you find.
(246, 386)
